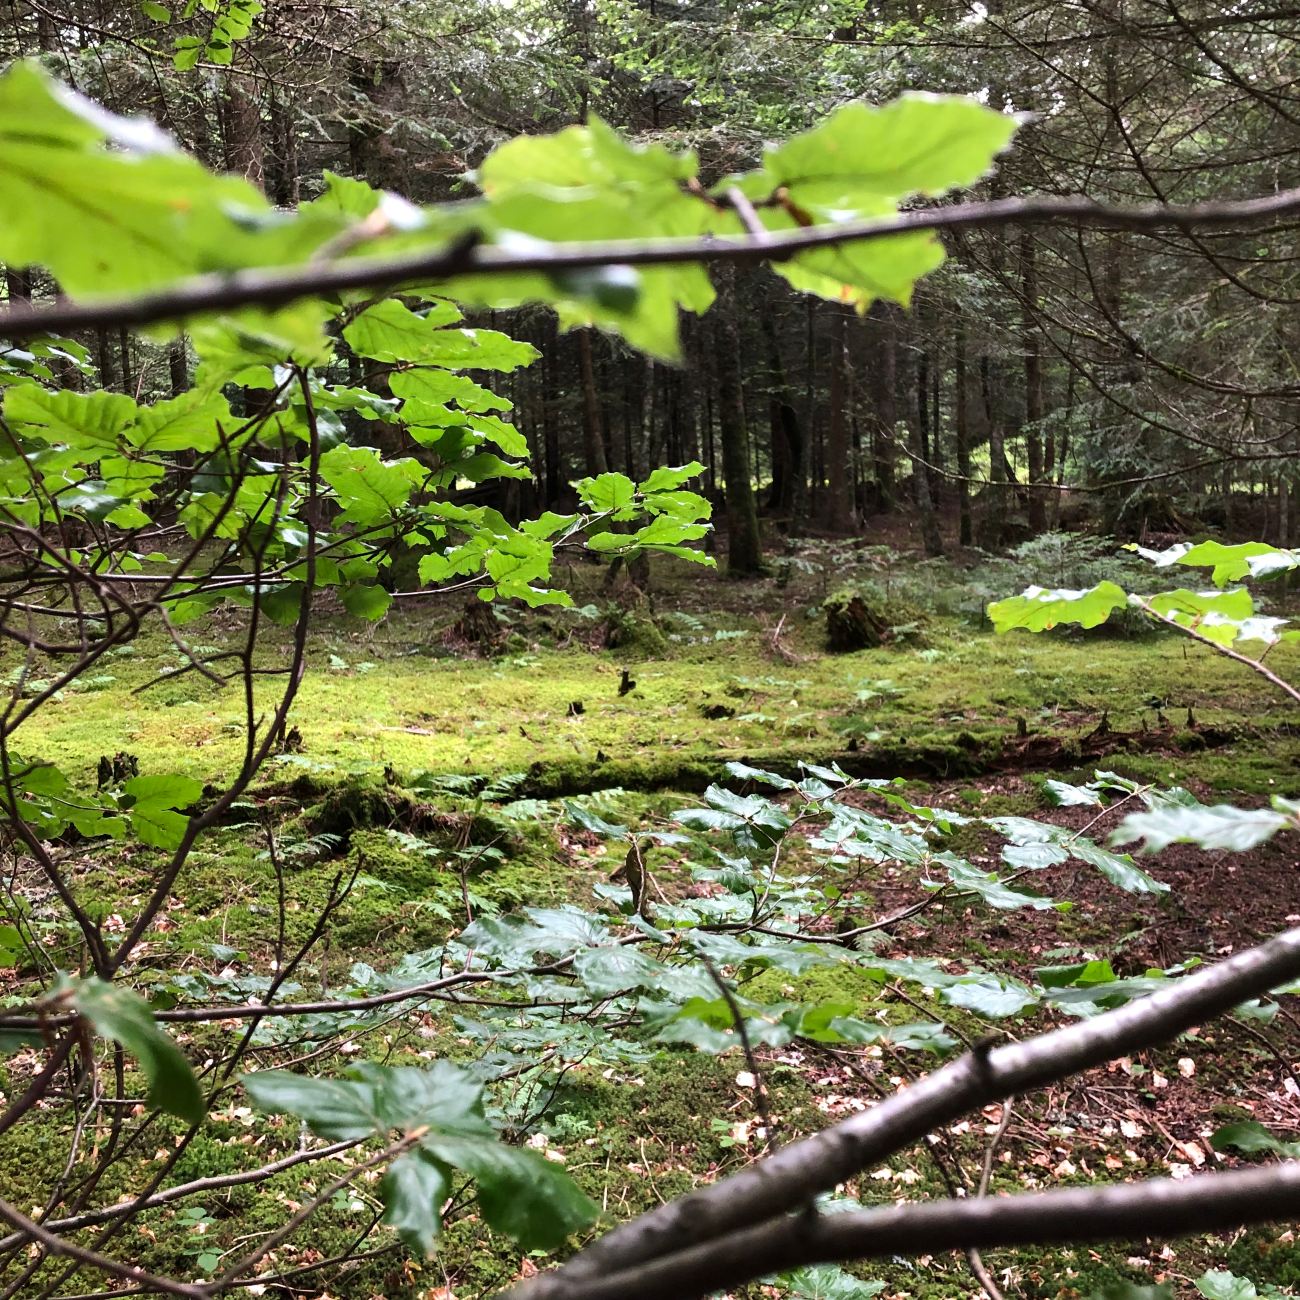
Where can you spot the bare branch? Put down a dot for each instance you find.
(465, 256)
(789, 1180)
(1132, 1211)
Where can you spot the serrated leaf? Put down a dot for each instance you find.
(414, 1189)
(88, 422)
(1066, 795)
(391, 331)
(118, 1013)
(606, 971)
(1252, 1137)
(333, 1108)
(1038, 609)
(1222, 1285)
(168, 791)
(917, 144)
(368, 602)
(529, 1198)
(1218, 827)
(369, 489)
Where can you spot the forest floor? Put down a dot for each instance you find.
(709, 671)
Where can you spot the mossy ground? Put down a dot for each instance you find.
(383, 704)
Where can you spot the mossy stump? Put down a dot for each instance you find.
(854, 623)
(478, 628)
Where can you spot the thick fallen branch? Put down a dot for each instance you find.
(1129, 1212)
(466, 256)
(758, 1199)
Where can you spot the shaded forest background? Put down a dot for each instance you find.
(1152, 374)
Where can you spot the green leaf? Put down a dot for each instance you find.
(606, 971)
(1222, 1285)
(1065, 795)
(924, 1036)
(1252, 1137)
(165, 791)
(1229, 562)
(475, 349)
(333, 1108)
(827, 1282)
(919, 144)
(529, 1198)
(414, 1189)
(666, 478)
(105, 220)
(592, 821)
(1218, 827)
(158, 826)
(1038, 609)
(369, 489)
(390, 331)
(369, 602)
(1037, 844)
(194, 421)
(440, 386)
(1133, 1291)
(124, 1016)
(87, 422)
(990, 995)
(608, 493)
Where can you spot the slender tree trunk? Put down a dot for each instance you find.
(178, 366)
(1033, 384)
(961, 424)
(936, 438)
(124, 346)
(245, 146)
(931, 538)
(885, 400)
(841, 515)
(554, 470)
(593, 440)
(18, 286)
(745, 551)
(995, 517)
(789, 494)
(107, 359)
(287, 182)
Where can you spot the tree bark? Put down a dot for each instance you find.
(841, 513)
(961, 423)
(1033, 383)
(593, 439)
(885, 328)
(745, 549)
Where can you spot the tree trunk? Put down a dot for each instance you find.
(245, 148)
(931, 538)
(788, 494)
(593, 439)
(745, 550)
(961, 423)
(841, 514)
(1033, 384)
(178, 366)
(886, 403)
(554, 470)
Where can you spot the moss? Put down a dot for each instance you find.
(632, 630)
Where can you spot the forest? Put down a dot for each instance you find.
(650, 648)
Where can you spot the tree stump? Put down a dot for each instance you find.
(477, 626)
(852, 623)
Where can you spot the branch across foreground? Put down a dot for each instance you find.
(468, 256)
(762, 1219)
